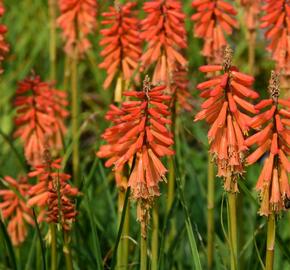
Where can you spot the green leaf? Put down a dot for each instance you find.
(10, 250)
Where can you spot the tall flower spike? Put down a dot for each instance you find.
(122, 46)
(180, 88)
(40, 117)
(52, 193)
(77, 20)
(272, 139)
(4, 47)
(164, 30)
(139, 137)
(13, 208)
(226, 110)
(277, 22)
(213, 19)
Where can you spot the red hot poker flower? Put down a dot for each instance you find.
(277, 21)
(140, 130)
(213, 18)
(226, 110)
(4, 47)
(52, 194)
(77, 20)
(164, 30)
(40, 117)
(122, 46)
(180, 89)
(140, 137)
(14, 208)
(273, 139)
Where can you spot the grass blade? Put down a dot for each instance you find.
(9, 247)
(40, 240)
(114, 256)
(191, 238)
(96, 242)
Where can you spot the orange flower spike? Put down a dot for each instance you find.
(122, 45)
(273, 181)
(222, 110)
(40, 117)
(277, 21)
(77, 20)
(212, 20)
(164, 31)
(53, 194)
(15, 210)
(146, 136)
(4, 47)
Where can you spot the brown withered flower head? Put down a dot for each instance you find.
(226, 111)
(77, 20)
(139, 137)
(273, 140)
(122, 46)
(164, 31)
(213, 19)
(14, 209)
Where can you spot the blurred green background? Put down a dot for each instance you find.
(95, 231)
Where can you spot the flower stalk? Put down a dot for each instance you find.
(155, 242)
(270, 242)
(67, 251)
(210, 213)
(75, 116)
(233, 236)
(53, 247)
(52, 38)
(143, 253)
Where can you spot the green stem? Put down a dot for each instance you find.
(67, 72)
(251, 50)
(143, 253)
(154, 244)
(123, 249)
(210, 213)
(270, 242)
(38, 257)
(171, 178)
(233, 229)
(75, 117)
(52, 38)
(53, 247)
(67, 252)
(125, 239)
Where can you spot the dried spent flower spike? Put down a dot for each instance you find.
(139, 134)
(122, 46)
(52, 193)
(4, 47)
(226, 110)
(164, 30)
(40, 117)
(272, 139)
(277, 22)
(213, 18)
(13, 208)
(77, 20)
